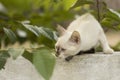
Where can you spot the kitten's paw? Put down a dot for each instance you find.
(109, 51)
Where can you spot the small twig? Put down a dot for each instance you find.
(98, 10)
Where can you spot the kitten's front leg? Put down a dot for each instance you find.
(104, 44)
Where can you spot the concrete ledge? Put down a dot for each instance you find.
(97, 66)
(89, 67)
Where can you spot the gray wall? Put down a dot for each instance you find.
(114, 4)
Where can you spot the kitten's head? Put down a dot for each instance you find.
(68, 43)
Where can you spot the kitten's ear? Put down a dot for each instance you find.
(75, 37)
(60, 30)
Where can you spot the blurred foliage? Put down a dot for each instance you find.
(43, 57)
(3, 58)
(36, 20)
(45, 14)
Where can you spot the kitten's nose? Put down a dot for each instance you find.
(57, 53)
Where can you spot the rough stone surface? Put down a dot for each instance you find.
(84, 67)
(19, 69)
(89, 67)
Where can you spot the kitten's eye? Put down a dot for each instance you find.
(62, 49)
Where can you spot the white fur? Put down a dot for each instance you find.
(91, 33)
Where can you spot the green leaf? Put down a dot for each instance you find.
(39, 30)
(4, 55)
(115, 12)
(44, 62)
(15, 52)
(112, 15)
(81, 3)
(11, 35)
(111, 19)
(16, 6)
(28, 56)
(46, 32)
(55, 36)
(106, 22)
(109, 23)
(117, 47)
(69, 3)
(31, 28)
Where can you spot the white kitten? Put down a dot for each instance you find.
(82, 34)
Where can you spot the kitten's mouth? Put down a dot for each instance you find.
(69, 58)
(56, 55)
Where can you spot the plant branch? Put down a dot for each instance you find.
(98, 10)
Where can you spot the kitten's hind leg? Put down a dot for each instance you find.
(88, 51)
(104, 44)
(92, 50)
(80, 53)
